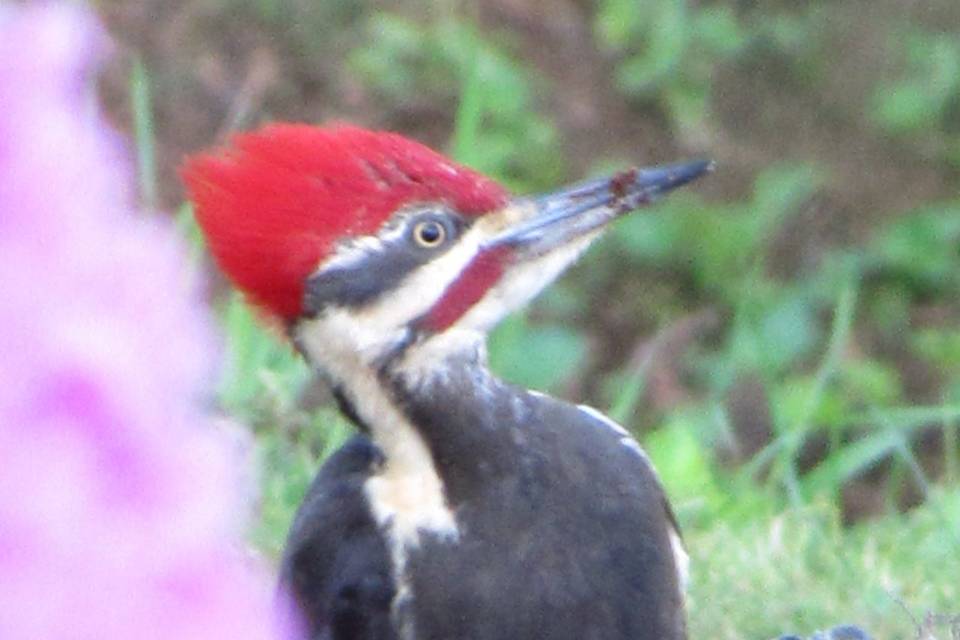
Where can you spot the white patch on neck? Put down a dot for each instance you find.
(682, 561)
(406, 495)
(429, 361)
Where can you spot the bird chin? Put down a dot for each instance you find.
(339, 343)
(528, 274)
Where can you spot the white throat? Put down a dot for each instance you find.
(406, 495)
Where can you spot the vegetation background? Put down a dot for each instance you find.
(784, 338)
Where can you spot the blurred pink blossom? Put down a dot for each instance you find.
(120, 509)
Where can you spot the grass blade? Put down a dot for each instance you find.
(144, 135)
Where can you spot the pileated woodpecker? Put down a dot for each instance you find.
(466, 508)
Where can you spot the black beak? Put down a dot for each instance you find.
(558, 217)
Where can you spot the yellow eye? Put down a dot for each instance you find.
(429, 234)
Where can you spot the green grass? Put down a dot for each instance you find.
(801, 570)
(144, 134)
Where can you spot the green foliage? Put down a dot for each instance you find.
(262, 374)
(722, 250)
(289, 457)
(720, 244)
(698, 493)
(498, 129)
(919, 250)
(549, 354)
(925, 100)
(669, 50)
(775, 329)
(940, 346)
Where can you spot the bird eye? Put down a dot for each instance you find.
(429, 234)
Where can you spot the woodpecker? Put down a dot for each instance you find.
(465, 507)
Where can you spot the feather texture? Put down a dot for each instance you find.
(274, 203)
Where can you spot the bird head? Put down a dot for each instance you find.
(366, 243)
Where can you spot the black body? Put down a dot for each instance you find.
(336, 563)
(563, 529)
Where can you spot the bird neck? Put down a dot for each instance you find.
(434, 410)
(470, 421)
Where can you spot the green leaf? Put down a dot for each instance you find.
(618, 22)
(258, 367)
(540, 357)
(666, 38)
(923, 246)
(684, 468)
(779, 190)
(718, 31)
(850, 461)
(786, 331)
(905, 107)
(874, 382)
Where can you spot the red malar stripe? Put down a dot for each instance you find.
(480, 275)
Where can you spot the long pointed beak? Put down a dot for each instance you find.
(556, 218)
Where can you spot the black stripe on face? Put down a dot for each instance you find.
(361, 271)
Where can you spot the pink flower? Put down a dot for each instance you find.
(120, 514)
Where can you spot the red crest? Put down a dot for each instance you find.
(273, 204)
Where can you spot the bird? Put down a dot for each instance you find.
(464, 507)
